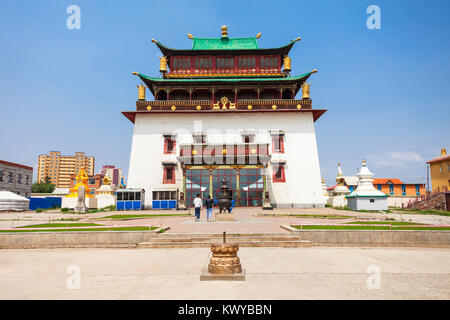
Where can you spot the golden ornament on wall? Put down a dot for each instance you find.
(199, 108)
(149, 108)
(299, 106)
(173, 107)
(250, 107)
(194, 152)
(274, 107)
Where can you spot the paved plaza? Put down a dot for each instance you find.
(272, 273)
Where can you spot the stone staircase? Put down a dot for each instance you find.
(433, 201)
(204, 240)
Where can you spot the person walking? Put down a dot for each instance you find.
(209, 205)
(197, 207)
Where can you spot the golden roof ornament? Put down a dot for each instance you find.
(258, 35)
(141, 92)
(106, 181)
(190, 36)
(305, 90)
(443, 152)
(286, 64)
(224, 31)
(163, 64)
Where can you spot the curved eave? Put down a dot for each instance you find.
(151, 81)
(131, 115)
(199, 52)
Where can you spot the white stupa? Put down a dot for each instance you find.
(10, 201)
(105, 194)
(338, 198)
(366, 197)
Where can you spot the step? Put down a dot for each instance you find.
(237, 240)
(278, 244)
(220, 235)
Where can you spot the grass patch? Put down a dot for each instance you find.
(97, 229)
(131, 216)
(392, 223)
(368, 227)
(323, 216)
(53, 225)
(418, 211)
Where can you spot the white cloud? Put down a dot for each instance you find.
(396, 158)
(406, 156)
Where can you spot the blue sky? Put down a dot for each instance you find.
(386, 90)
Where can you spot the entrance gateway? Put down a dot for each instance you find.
(226, 109)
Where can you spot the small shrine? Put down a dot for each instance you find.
(70, 201)
(105, 194)
(340, 191)
(366, 197)
(324, 190)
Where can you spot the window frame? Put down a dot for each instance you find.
(281, 167)
(166, 145)
(165, 171)
(281, 144)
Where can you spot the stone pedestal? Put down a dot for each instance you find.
(224, 263)
(182, 205)
(267, 205)
(224, 217)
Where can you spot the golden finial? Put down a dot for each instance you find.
(190, 36)
(339, 164)
(154, 41)
(224, 31)
(258, 35)
(314, 71)
(364, 162)
(443, 152)
(297, 39)
(141, 92)
(135, 73)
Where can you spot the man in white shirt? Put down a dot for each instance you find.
(197, 207)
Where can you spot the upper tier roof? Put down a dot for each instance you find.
(233, 46)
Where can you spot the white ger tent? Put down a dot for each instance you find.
(10, 201)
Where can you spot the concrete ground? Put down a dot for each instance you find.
(272, 273)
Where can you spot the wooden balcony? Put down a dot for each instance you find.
(245, 153)
(243, 104)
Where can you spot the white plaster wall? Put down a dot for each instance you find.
(303, 186)
(337, 201)
(394, 201)
(363, 203)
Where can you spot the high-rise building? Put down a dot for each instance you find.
(227, 109)
(59, 167)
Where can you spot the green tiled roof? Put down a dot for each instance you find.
(224, 43)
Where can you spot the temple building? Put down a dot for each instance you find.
(226, 109)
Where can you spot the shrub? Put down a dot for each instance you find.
(65, 210)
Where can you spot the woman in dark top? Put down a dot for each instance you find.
(209, 205)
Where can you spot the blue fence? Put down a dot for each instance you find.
(44, 203)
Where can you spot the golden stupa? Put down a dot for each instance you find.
(81, 179)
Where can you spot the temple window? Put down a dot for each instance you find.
(225, 63)
(270, 94)
(169, 145)
(11, 177)
(169, 175)
(1, 175)
(269, 62)
(278, 173)
(203, 63)
(19, 178)
(246, 62)
(181, 63)
(403, 189)
(278, 144)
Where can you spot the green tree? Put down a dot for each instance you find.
(43, 187)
